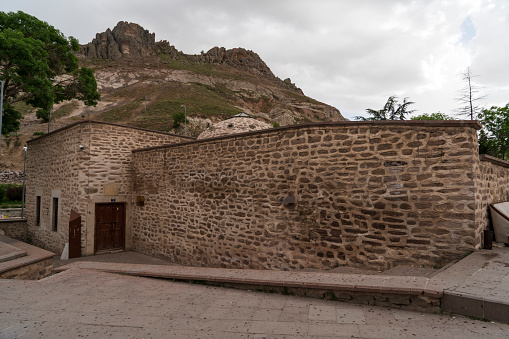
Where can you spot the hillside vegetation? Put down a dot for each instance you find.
(145, 86)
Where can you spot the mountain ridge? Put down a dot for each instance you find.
(144, 82)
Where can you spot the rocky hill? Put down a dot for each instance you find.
(144, 82)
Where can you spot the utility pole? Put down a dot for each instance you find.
(1, 113)
(185, 119)
(49, 120)
(24, 175)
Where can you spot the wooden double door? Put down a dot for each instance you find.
(109, 227)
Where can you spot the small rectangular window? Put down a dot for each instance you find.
(38, 210)
(54, 222)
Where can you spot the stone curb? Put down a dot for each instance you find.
(476, 306)
(416, 286)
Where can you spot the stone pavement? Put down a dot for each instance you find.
(393, 291)
(478, 285)
(89, 303)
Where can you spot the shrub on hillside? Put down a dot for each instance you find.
(14, 193)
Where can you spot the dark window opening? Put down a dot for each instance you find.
(38, 211)
(54, 222)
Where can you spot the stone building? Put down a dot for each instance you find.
(370, 194)
(85, 167)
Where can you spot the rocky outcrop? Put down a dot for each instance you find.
(128, 40)
(125, 40)
(236, 57)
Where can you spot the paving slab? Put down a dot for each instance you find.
(478, 285)
(91, 303)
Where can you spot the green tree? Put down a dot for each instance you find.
(38, 67)
(392, 110)
(432, 116)
(179, 118)
(494, 137)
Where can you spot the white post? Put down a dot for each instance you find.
(1, 113)
(23, 196)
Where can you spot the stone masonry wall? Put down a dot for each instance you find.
(57, 166)
(14, 228)
(53, 164)
(35, 271)
(367, 194)
(492, 181)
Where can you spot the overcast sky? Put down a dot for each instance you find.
(349, 54)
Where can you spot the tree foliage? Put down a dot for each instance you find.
(38, 66)
(179, 118)
(392, 110)
(432, 116)
(494, 137)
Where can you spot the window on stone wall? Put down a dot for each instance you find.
(54, 221)
(38, 210)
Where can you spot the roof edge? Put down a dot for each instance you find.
(494, 160)
(105, 123)
(410, 123)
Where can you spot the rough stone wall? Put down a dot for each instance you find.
(366, 194)
(102, 168)
(16, 229)
(492, 183)
(53, 163)
(11, 177)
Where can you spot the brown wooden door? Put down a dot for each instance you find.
(109, 227)
(74, 235)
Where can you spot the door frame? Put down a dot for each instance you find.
(123, 226)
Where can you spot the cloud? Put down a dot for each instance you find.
(350, 54)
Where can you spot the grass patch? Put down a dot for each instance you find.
(200, 101)
(11, 204)
(186, 63)
(22, 107)
(300, 97)
(120, 113)
(65, 110)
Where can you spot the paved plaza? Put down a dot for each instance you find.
(81, 303)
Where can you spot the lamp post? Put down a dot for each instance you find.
(185, 119)
(49, 120)
(23, 196)
(1, 112)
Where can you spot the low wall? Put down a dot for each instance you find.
(366, 194)
(492, 183)
(11, 177)
(10, 213)
(14, 228)
(34, 271)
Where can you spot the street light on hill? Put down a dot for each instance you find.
(185, 119)
(24, 176)
(1, 112)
